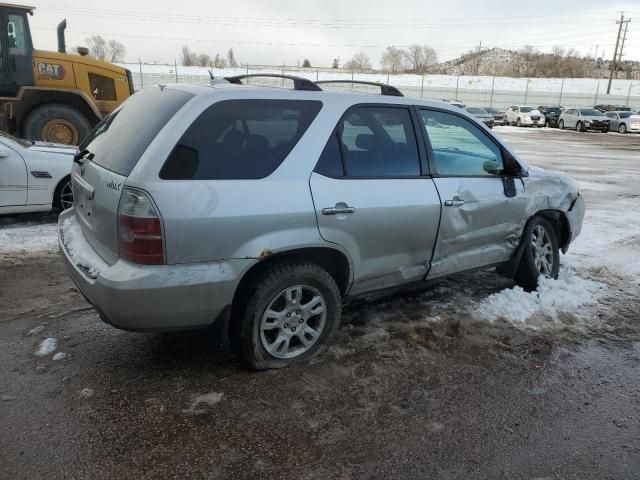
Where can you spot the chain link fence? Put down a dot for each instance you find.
(498, 92)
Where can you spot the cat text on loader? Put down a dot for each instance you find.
(52, 96)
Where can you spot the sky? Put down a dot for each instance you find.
(277, 32)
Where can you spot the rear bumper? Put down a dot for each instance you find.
(157, 297)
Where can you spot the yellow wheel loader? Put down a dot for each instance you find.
(52, 96)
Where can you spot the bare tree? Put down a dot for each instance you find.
(393, 59)
(429, 57)
(204, 60)
(116, 51)
(360, 61)
(231, 59)
(97, 47)
(421, 57)
(189, 58)
(335, 63)
(306, 63)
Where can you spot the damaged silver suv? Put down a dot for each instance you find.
(262, 210)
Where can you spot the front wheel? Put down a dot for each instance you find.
(541, 255)
(286, 316)
(56, 123)
(561, 125)
(579, 127)
(63, 195)
(622, 128)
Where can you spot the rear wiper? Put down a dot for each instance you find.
(81, 155)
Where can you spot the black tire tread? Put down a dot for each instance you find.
(526, 275)
(247, 304)
(35, 119)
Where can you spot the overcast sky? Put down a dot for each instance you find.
(287, 31)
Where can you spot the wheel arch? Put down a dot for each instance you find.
(56, 191)
(561, 225)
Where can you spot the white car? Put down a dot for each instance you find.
(34, 176)
(521, 116)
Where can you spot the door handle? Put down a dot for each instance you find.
(337, 210)
(456, 201)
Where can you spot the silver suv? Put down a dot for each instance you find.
(261, 210)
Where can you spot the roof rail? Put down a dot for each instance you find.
(385, 89)
(299, 83)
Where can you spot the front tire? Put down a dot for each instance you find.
(622, 128)
(63, 195)
(287, 315)
(518, 123)
(541, 255)
(579, 127)
(56, 123)
(561, 125)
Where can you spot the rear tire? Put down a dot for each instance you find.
(541, 255)
(275, 325)
(579, 127)
(561, 125)
(622, 128)
(57, 123)
(518, 123)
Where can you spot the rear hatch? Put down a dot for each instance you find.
(111, 151)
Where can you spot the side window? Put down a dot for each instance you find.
(102, 88)
(379, 142)
(459, 147)
(239, 139)
(17, 35)
(330, 162)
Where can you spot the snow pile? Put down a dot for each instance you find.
(565, 295)
(79, 250)
(27, 237)
(86, 393)
(209, 399)
(59, 356)
(47, 346)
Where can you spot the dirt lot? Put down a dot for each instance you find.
(471, 379)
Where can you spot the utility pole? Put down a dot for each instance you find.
(624, 37)
(614, 65)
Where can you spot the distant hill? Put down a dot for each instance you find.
(528, 62)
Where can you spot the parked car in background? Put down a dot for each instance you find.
(583, 119)
(498, 115)
(482, 115)
(551, 115)
(34, 176)
(278, 222)
(522, 116)
(612, 108)
(623, 122)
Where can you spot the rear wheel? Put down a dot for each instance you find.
(57, 123)
(622, 128)
(579, 127)
(286, 316)
(63, 195)
(547, 124)
(518, 123)
(541, 255)
(561, 125)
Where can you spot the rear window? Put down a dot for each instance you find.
(121, 138)
(239, 139)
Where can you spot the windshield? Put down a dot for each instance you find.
(477, 111)
(590, 112)
(554, 110)
(22, 142)
(526, 109)
(492, 110)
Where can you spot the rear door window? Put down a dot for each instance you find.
(240, 139)
(379, 142)
(119, 140)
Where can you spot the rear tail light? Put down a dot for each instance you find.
(139, 229)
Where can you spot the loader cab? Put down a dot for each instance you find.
(16, 49)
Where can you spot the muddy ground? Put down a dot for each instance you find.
(415, 386)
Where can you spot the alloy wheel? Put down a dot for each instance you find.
(542, 250)
(293, 321)
(66, 196)
(622, 128)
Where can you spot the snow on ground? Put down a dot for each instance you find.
(28, 237)
(79, 250)
(569, 85)
(59, 356)
(207, 399)
(47, 347)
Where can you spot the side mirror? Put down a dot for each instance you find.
(4, 153)
(492, 167)
(512, 167)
